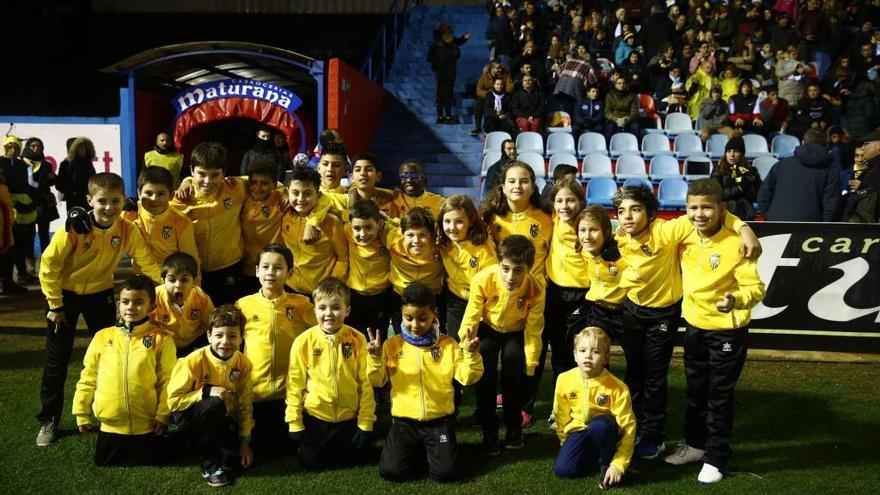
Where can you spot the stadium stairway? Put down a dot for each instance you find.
(407, 127)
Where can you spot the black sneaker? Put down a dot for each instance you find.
(513, 440)
(216, 476)
(490, 447)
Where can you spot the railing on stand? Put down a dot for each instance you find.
(380, 55)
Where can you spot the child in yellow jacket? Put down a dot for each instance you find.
(330, 404)
(412, 193)
(721, 287)
(124, 382)
(182, 307)
(594, 417)
(506, 304)
(274, 318)
(421, 364)
(260, 219)
(368, 265)
(210, 395)
(76, 276)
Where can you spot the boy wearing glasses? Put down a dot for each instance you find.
(412, 191)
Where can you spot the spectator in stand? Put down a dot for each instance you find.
(729, 82)
(743, 55)
(802, 188)
(839, 83)
(634, 72)
(621, 53)
(782, 35)
(721, 27)
(787, 8)
(574, 76)
(504, 41)
(706, 55)
(812, 27)
(164, 155)
(443, 56)
(659, 65)
(590, 115)
(264, 149)
(714, 112)
(600, 45)
(531, 57)
(42, 177)
(657, 30)
(867, 59)
(765, 64)
(744, 112)
(865, 208)
(813, 114)
(698, 87)
(326, 137)
(75, 171)
(739, 180)
(863, 109)
(25, 202)
(527, 106)
(621, 110)
(774, 111)
(493, 174)
(791, 74)
(497, 109)
(484, 85)
(669, 93)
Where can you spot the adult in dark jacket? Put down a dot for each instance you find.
(44, 177)
(497, 109)
(443, 56)
(802, 188)
(264, 149)
(505, 40)
(74, 173)
(864, 205)
(493, 173)
(527, 106)
(656, 32)
(621, 110)
(739, 180)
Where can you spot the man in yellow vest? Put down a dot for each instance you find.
(164, 155)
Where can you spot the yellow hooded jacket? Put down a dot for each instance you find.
(577, 401)
(710, 268)
(533, 223)
(566, 267)
(217, 223)
(462, 260)
(85, 264)
(202, 368)
(327, 257)
(184, 323)
(328, 379)
(165, 233)
(406, 269)
(368, 266)
(271, 326)
(505, 311)
(421, 377)
(260, 223)
(124, 380)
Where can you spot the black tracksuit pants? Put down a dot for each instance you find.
(206, 428)
(411, 444)
(511, 348)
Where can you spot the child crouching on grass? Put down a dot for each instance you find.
(124, 380)
(210, 398)
(594, 417)
(421, 365)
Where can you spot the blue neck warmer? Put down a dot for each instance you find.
(427, 340)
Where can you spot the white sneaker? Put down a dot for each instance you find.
(684, 454)
(46, 435)
(709, 474)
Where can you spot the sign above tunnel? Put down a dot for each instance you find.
(236, 88)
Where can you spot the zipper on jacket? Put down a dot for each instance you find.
(422, 385)
(272, 334)
(125, 387)
(334, 367)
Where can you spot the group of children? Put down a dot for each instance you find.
(307, 276)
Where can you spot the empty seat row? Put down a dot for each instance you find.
(671, 193)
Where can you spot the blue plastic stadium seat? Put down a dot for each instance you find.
(672, 194)
(631, 165)
(783, 145)
(533, 160)
(530, 141)
(493, 141)
(664, 167)
(697, 167)
(596, 165)
(623, 142)
(687, 145)
(715, 145)
(655, 144)
(764, 164)
(559, 142)
(591, 142)
(600, 190)
(561, 158)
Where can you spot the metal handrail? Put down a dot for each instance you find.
(396, 20)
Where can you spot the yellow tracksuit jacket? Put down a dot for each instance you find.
(462, 260)
(260, 223)
(217, 223)
(368, 266)
(566, 267)
(328, 257)
(124, 380)
(184, 323)
(653, 274)
(85, 264)
(202, 368)
(406, 269)
(504, 311)
(337, 202)
(401, 203)
(172, 162)
(328, 379)
(421, 377)
(577, 401)
(271, 326)
(605, 280)
(710, 267)
(165, 233)
(533, 223)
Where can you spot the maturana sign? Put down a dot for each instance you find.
(236, 88)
